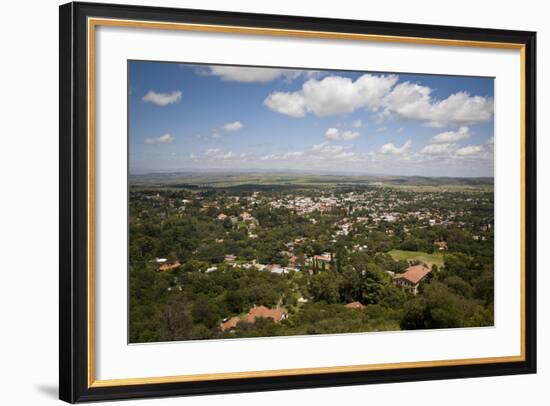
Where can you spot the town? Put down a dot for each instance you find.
(240, 259)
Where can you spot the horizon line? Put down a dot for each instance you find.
(304, 171)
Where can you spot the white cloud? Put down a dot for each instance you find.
(327, 151)
(250, 74)
(469, 150)
(280, 156)
(327, 148)
(162, 99)
(291, 104)
(345, 156)
(408, 100)
(453, 152)
(234, 126)
(163, 139)
(438, 149)
(392, 149)
(461, 108)
(339, 135)
(332, 95)
(452, 136)
(296, 154)
(413, 101)
(357, 124)
(218, 153)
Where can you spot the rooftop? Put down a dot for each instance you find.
(261, 311)
(414, 274)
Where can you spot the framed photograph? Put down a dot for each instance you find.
(257, 202)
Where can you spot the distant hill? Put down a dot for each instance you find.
(264, 180)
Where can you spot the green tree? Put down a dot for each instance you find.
(205, 312)
(324, 287)
(438, 307)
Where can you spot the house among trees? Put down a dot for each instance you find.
(355, 306)
(230, 324)
(441, 244)
(275, 268)
(411, 278)
(230, 258)
(169, 267)
(276, 314)
(256, 312)
(324, 257)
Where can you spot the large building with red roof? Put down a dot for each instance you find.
(412, 277)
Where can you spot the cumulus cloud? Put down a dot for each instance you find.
(250, 74)
(163, 139)
(461, 108)
(328, 151)
(413, 101)
(452, 136)
(469, 150)
(234, 126)
(357, 124)
(162, 99)
(291, 104)
(438, 149)
(335, 95)
(332, 95)
(453, 152)
(340, 135)
(392, 149)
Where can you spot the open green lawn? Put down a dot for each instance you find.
(430, 259)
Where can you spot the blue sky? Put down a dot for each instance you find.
(186, 117)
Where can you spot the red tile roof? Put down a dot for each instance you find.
(414, 274)
(231, 323)
(169, 267)
(355, 305)
(261, 311)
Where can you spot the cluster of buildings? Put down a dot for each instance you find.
(305, 205)
(230, 260)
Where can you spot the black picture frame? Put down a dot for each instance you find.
(73, 284)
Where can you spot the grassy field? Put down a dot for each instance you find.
(430, 259)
